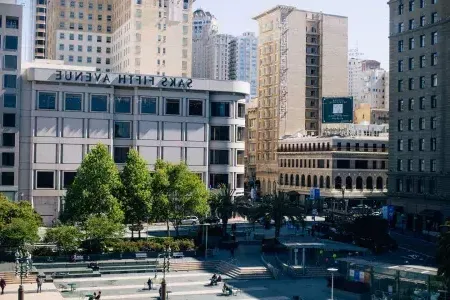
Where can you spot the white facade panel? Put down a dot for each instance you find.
(45, 153)
(195, 156)
(172, 131)
(72, 128)
(172, 154)
(148, 130)
(150, 154)
(72, 154)
(46, 126)
(98, 129)
(195, 132)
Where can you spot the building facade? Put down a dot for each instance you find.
(39, 9)
(243, 52)
(353, 167)
(142, 37)
(218, 57)
(10, 61)
(68, 110)
(251, 123)
(419, 180)
(302, 57)
(205, 26)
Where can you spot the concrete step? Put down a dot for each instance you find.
(129, 271)
(127, 267)
(11, 278)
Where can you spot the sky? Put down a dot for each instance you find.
(368, 20)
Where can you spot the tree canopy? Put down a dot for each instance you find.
(67, 238)
(95, 188)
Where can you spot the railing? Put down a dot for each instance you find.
(273, 270)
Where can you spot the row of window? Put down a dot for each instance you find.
(422, 83)
(421, 165)
(412, 5)
(148, 105)
(80, 48)
(434, 18)
(325, 163)
(222, 157)
(62, 25)
(432, 143)
(422, 62)
(90, 5)
(325, 182)
(327, 147)
(98, 60)
(422, 122)
(422, 42)
(419, 187)
(411, 103)
(81, 16)
(80, 37)
(10, 42)
(10, 22)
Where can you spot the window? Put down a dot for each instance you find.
(411, 104)
(73, 102)
(400, 46)
(411, 5)
(195, 107)
(79, 59)
(401, 27)
(12, 22)
(422, 82)
(400, 65)
(421, 165)
(410, 124)
(71, 48)
(434, 38)
(400, 125)
(240, 134)
(433, 101)
(99, 103)
(400, 145)
(400, 105)
(433, 144)
(122, 105)
(400, 9)
(9, 140)
(241, 110)
(220, 109)
(410, 165)
(422, 123)
(411, 63)
(422, 102)
(422, 21)
(120, 154)
(410, 145)
(400, 85)
(45, 180)
(7, 178)
(422, 41)
(240, 157)
(434, 80)
(432, 165)
(10, 62)
(46, 100)
(434, 59)
(433, 123)
(9, 81)
(421, 144)
(148, 105)
(412, 24)
(422, 3)
(9, 120)
(172, 106)
(399, 165)
(220, 133)
(11, 43)
(219, 157)
(216, 180)
(122, 130)
(434, 18)
(423, 61)
(411, 84)
(8, 159)
(9, 100)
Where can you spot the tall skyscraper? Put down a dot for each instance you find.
(39, 16)
(302, 58)
(148, 37)
(419, 160)
(218, 57)
(204, 27)
(243, 60)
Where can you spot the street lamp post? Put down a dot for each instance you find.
(163, 294)
(332, 271)
(23, 261)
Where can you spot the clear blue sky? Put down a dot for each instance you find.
(368, 19)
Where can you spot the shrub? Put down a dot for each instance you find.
(43, 251)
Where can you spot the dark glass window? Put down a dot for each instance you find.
(343, 164)
(9, 81)
(219, 157)
(220, 133)
(120, 154)
(241, 110)
(9, 139)
(148, 105)
(220, 109)
(99, 103)
(45, 180)
(240, 134)
(240, 157)
(216, 180)
(11, 42)
(195, 107)
(9, 120)
(8, 159)
(9, 100)
(46, 100)
(122, 130)
(122, 105)
(172, 106)
(73, 102)
(68, 179)
(361, 164)
(8, 178)
(10, 62)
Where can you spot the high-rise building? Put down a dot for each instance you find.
(419, 160)
(218, 57)
(10, 58)
(204, 27)
(244, 60)
(302, 58)
(142, 37)
(251, 123)
(39, 24)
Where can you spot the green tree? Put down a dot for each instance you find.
(177, 192)
(67, 238)
(99, 228)
(95, 188)
(19, 223)
(136, 190)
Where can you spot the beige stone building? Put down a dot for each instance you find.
(251, 123)
(302, 58)
(141, 37)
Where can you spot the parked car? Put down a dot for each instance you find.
(211, 220)
(377, 244)
(190, 220)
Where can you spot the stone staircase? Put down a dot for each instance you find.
(11, 278)
(193, 265)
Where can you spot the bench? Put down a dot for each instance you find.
(141, 255)
(178, 255)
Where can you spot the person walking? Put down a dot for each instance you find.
(149, 283)
(2, 284)
(39, 284)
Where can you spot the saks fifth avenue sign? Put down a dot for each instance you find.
(122, 79)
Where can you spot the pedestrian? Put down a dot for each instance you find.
(2, 284)
(149, 282)
(98, 295)
(92, 297)
(39, 284)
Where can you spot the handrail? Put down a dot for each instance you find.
(274, 271)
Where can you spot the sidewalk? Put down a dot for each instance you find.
(49, 292)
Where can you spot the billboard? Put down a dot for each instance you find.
(337, 110)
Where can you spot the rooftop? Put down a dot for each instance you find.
(291, 8)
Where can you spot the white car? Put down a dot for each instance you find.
(190, 220)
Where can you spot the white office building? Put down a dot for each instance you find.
(204, 26)
(67, 110)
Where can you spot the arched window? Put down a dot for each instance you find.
(296, 162)
(281, 179)
(296, 148)
(297, 180)
(286, 179)
(292, 180)
(338, 183)
(328, 182)
(309, 181)
(315, 181)
(348, 183)
(359, 183)
(303, 180)
(379, 183)
(369, 183)
(321, 182)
